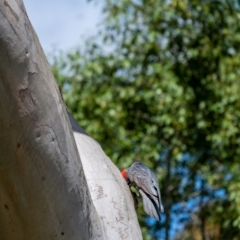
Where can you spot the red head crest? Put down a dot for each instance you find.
(124, 173)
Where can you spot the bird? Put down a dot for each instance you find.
(145, 181)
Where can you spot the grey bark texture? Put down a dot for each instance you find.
(46, 191)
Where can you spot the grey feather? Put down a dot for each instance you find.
(148, 206)
(141, 177)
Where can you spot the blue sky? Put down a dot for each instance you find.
(63, 23)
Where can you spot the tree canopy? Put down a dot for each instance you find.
(160, 83)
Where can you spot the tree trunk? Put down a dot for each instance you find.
(46, 192)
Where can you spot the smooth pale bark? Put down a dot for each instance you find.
(108, 189)
(43, 189)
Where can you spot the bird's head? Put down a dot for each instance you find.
(124, 173)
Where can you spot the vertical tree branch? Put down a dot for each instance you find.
(44, 192)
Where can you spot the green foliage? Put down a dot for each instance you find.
(163, 86)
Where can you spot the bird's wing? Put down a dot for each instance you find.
(149, 206)
(155, 183)
(145, 179)
(146, 184)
